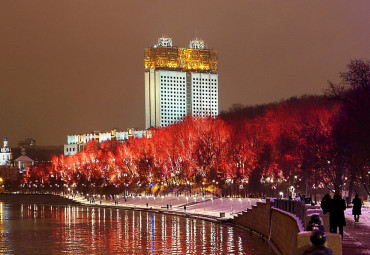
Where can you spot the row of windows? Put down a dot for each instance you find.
(204, 88)
(172, 77)
(174, 95)
(204, 109)
(172, 118)
(207, 101)
(183, 78)
(203, 100)
(203, 95)
(172, 115)
(205, 83)
(173, 90)
(182, 109)
(208, 95)
(164, 86)
(172, 82)
(207, 86)
(172, 105)
(169, 99)
(203, 79)
(171, 102)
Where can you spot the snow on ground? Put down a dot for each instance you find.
(365, 214)
(208, 206)
(357, 234)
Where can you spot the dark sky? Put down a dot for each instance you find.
(69, 67)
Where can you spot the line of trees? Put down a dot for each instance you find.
(298, 145)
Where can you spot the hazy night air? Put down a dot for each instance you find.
(69, 67)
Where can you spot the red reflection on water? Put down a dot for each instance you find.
(87, 230)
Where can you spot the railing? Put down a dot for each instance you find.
(292, 206)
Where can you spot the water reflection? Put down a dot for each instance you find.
(39, 229)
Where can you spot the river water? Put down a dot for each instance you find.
(46, 229)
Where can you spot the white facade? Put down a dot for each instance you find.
(5, 154)
(71, 149)
(204, 94)
(165, 97)
(171, 95)
(76, 143)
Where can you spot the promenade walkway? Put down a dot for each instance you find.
(207, 207)
(356, 239)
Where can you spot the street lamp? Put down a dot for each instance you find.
(213, 181)
(281, 194)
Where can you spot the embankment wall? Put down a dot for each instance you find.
(284, 230)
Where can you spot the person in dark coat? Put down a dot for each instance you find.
(337, 207)
(356, 209)
(325, 203)
(318, 239)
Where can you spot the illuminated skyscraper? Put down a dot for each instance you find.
(179, 81)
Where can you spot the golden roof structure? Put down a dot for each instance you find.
(165, 56)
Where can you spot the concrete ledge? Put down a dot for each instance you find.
(256, 219)
(333, 241)
(325, 221)
(284, 231)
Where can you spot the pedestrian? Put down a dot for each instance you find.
(356, 209)
(325, 203)
(337, 207)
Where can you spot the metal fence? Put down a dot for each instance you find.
(292, 206)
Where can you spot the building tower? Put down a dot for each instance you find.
(179, 82)
(5, 154)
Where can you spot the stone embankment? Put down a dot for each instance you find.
(283, 229)
(36, 199)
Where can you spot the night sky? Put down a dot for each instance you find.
(69, 67)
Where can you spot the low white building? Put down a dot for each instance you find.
(76, 143)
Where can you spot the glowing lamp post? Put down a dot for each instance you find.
(203, 188)
(281, 194)
(213, 181)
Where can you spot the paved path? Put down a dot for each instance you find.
(207, 207)
(356, 239)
